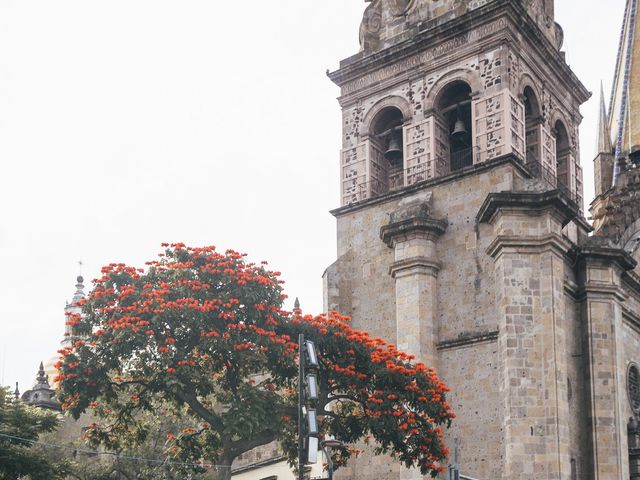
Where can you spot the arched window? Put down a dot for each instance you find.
(454, 107)
(563, 152)
(532, 125)
(387, 138)
(633, 387)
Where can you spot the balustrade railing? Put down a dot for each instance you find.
(398, 179)
(416, 174)
(462, 158)
(549, 178)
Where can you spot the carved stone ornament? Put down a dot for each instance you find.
(371, 26)
(399, 8)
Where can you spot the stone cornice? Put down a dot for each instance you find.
(520, 245)
(412, 265)
(468, 340)
(430, 36)
(256, 465)
(631, 318)
(604, 252)
(631, 281)
(594, 291)
(530, 202)
(452, 177)
(430, 227)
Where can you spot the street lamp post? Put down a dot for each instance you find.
(308, 393)
(326, 445)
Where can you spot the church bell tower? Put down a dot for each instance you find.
(461, 200)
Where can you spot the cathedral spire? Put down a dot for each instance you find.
(604, 134)
(625, 100)
(73, 308)
(79, 294)
(41, 378)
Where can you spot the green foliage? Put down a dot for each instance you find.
(17, 457)
(143, 461)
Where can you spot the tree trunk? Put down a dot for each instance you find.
(223, 471)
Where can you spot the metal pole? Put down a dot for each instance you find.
(301, 461)
(329, 463)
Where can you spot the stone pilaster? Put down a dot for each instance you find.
(412, 233)
(529, 253)
(600, 269)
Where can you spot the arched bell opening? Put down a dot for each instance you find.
(387, 135)
(532, 118)
(454, 108)
(563, 152)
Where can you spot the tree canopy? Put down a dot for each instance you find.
(20, 427)
(202, 335)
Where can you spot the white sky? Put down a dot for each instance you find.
(128, 123)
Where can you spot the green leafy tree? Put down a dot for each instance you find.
(141, 461)
(202, 335)
(20, 427)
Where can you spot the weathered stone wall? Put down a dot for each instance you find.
(467, 322)
(504, 297)
(472, 371)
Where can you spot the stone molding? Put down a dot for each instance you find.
(531, 202)
(521, 245)
(476, 169)
(606, 253)
(430, 228)
(413, 265)
(630, 317)
(469, 340)
(631, 281)
(362, 72)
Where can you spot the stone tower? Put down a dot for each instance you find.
(73, 308)
(616, 220)
(461, 237)
(41, 394)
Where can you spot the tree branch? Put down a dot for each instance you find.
(200, 410)
(240, 446)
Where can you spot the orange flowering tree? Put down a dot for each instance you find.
(200, 335)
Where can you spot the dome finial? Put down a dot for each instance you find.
(79, 295)
(41, 378)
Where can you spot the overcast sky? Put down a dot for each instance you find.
(128, 123)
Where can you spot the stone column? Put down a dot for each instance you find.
(412, 233)
(529, 253)
(601, 268)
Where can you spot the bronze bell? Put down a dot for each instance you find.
(394, 152)
(459, 130)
